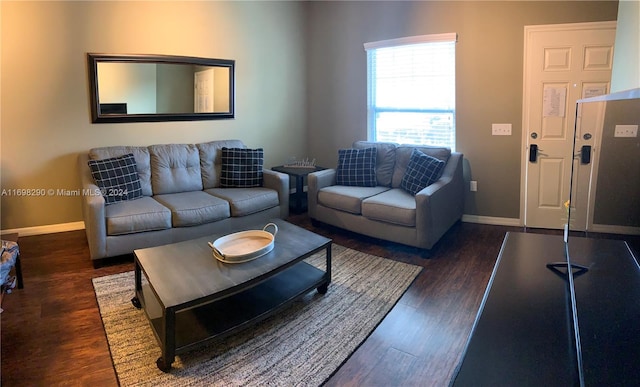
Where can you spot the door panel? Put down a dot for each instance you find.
(598, 58)
(557, 58)
(550, 175)
(562, 64)
(553, 172)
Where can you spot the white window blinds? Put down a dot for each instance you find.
(411, 90)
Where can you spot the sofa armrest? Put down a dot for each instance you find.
(315, 182)
(279, 182)
(441, 204)
(92, 211)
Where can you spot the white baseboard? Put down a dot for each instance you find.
(491, 220)
(603, 228)
(609, 229)
(47, 229)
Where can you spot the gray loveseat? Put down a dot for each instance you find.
(181, 198)
(386, 210)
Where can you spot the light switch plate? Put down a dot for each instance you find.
(501, 129)
(626, 131)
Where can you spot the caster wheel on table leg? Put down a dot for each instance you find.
(162, 366)
(136, 302)
(322, 289)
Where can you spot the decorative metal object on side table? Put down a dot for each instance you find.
(298, 171)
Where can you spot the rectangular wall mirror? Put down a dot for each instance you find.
(151, 88)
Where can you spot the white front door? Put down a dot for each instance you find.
(203, 91)
(562, 63)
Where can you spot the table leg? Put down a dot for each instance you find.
(322, 289)
(138, 285)
(299, 192)
(168, 343)
(19, 272)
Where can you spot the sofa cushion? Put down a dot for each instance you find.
(392, 206)
(194, 208)
(175, 168)
(211, 160)
(140, 153)
(144, 214)
(246, 201)
(347, 198)
(117, 178)
(356, 167)
(385, 159)
(403, 154)
(241, 167)
(422, 171)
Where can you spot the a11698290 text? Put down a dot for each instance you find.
(39, 192)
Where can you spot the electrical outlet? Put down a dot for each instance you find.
(473, 186)
(626, 131)
(501, 129)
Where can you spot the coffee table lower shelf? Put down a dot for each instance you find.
(215, 319)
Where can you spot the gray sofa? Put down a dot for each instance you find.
(181, 198)
(388, 211)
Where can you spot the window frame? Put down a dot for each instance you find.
(372, 111)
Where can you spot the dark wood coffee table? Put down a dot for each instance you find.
(191, 299)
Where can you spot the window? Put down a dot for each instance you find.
(411, 90)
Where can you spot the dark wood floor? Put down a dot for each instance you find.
(52, 333)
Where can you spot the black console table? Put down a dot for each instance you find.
(523, 334)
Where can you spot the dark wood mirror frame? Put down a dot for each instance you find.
(115, 112)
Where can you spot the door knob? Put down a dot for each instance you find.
(585, 154)
(534, 135)
(533, 153)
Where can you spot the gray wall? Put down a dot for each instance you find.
(618, 189)
(45, 115)
(488, 72)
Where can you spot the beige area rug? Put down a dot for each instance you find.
(302, 345)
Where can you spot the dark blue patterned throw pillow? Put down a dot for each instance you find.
(117, 178)
(241, 167)
(356, 167)
(422, 171)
